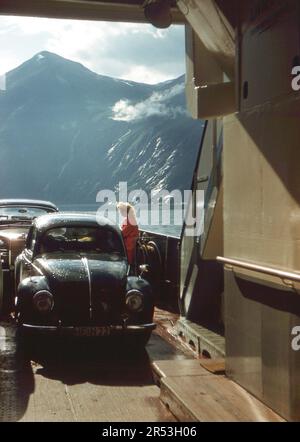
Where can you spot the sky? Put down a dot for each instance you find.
(136, 52)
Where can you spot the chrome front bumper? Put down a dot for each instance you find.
(87, 331)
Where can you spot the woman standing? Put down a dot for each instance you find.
(130, 230)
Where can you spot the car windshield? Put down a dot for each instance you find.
(21, 213)
(82, 240)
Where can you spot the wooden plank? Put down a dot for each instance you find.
(186, 367)
(84, 10)
(216, 366)
(212, 399)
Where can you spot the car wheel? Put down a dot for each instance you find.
(6, 296)
(36, 348)
(141, 340)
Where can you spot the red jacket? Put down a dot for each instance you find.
(130, 234)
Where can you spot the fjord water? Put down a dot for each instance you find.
(166, 229)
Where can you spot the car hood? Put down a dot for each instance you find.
(14, 233)
(103, 271)
(86, 289)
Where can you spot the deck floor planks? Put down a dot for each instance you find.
(185, 367)
(49, 402)
(212, 398)
(107, 403)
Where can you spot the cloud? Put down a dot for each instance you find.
(2, 82)
(144, 74)
(156, 104)
(137, 52)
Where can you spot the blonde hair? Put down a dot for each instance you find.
(130, 212)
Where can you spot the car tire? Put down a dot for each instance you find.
(141, 340)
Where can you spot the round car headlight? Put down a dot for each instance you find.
(134, 300)
(43, 301)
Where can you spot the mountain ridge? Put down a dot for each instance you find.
(63, 126)
(52, 56)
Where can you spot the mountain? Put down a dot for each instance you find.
(67, 132)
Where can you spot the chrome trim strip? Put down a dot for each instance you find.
(33, 265)
(260, 269)
(53, 328)
(87, 269)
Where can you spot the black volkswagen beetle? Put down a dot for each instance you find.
(73, 279)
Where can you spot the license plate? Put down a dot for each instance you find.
(92, 331)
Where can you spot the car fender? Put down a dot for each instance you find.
(137, 283)
(28, 287)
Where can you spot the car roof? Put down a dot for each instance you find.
(28, 202)
(73, 219)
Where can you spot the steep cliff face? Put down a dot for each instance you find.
(66, 133)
